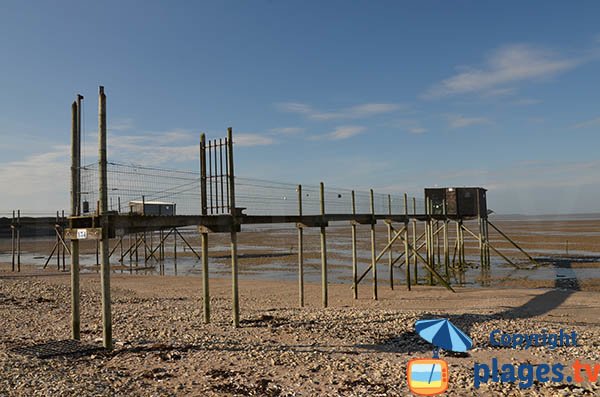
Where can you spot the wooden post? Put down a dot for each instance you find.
(175, 245)
(234, 258)
(354, 258)
(438, 241)
(446, 247)
(461, 250)
(430, 248)
(62, 238)
(204, 235)
(406, 252)
(13, 241)
(103, 194)
(18, 240)
(390, 252)
(480, 232)
(137, 247)
(75, 192)
(58, 247)
(300, 251)
(373, 248)
(324, 297)
(79, 99)
(414, 240)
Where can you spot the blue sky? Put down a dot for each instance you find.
(391, 95)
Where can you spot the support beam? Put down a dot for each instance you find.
(234, 257)
(373, 256)
(103, 195)
(406, 252)
(513, 243)
(495, 250)
(204, 235)
(300, 251)
(390, 251)
(324, 295)
(414, 243)
(397, 235)
(75, 191)
(354, 257)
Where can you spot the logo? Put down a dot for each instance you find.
(526, 374)
(427, 376)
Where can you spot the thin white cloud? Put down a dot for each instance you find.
(355, 112)
(287, 130)
(121, 125)
(339, 133)
(345, 132)
(506, 65)
(500, 92)
(411, 125)
(417, 130)
(588, 123)
(459, 121)
(38, 182)
(252, 140)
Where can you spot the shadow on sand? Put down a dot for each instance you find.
(409, 341)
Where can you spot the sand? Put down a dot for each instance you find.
(354, 347)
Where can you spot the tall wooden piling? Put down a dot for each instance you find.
(103, 194)
(62, 239)
(324, 296)
(58, 247)
(354, 257)
(300, 251)
(414, 243)
(18, 240)
(390, 251)
(204, 234)
(446, 247)
(427, 241)
(13, 240)
(373, 247)
(406, 249)
(75, 191)
(234, 257)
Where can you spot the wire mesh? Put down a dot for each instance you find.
(128, 183)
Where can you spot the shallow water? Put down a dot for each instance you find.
(282, 264)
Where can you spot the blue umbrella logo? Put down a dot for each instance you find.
(441, 333)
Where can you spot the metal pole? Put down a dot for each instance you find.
(373, 254)
(204, 236)
(406, 251)
(103, 194)
(234, 258)
(323, 249)
(75, 189)
(354, 259)
(300, 250)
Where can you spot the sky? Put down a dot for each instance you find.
(390, 95)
